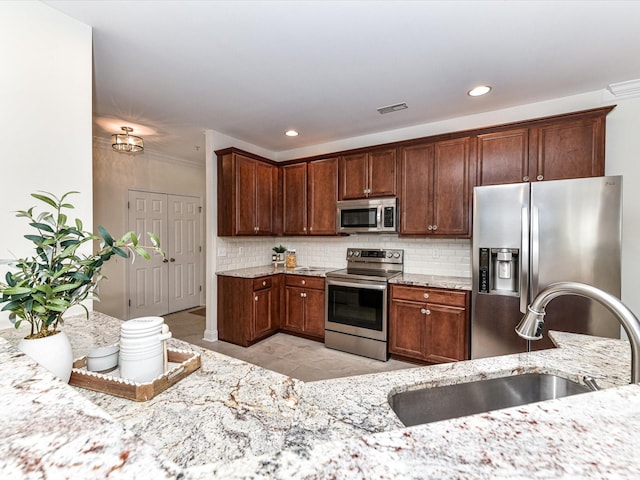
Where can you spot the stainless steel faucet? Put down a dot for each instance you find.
(530, 327)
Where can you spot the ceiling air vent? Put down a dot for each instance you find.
(392, 108)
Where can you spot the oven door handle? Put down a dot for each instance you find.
(367, 286)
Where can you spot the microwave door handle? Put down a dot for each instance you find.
(379, 217)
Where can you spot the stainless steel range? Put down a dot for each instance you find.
(356, 302)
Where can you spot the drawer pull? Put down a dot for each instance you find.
(303, 282)
(255, 298)
(264, 282)
(426, 295)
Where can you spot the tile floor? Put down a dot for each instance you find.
(293, 356)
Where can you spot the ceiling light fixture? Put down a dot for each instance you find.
(477, 91)
(291, 133)
(123, 142)
(392, 108)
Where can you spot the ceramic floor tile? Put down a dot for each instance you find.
(296, 357)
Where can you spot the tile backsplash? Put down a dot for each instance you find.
(421, 255)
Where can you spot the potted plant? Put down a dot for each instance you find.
(57, 277)
(279, 253)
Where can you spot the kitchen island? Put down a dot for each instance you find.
(231, 419)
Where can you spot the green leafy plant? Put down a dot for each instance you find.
(280, 249)
(58, 277)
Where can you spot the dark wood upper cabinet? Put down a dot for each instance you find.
(555, 148)
(294, 199)
(309, 195)
(247, 196)
(503, 157)
(322, 195)
(568, 149)
(435, 188)
(368, 174)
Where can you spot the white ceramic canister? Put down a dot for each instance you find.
(141, 348)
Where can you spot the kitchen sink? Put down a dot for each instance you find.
(451, 401)
(308, 269)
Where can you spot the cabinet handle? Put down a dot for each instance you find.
(304, 229)
(172, 260)
(428, 312)
(424, 311)
(430, 227)
(165, 261)
(264, 283)
(255, 298)
(303, 295)
(525, 178)
(435, 227)
(303, 282)
(426, 295)
(540, 177)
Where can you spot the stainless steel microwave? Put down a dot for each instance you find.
(375, 215)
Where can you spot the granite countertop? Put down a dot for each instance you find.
(415, 279)
(231, 419)
(261, 271)
(437, 281)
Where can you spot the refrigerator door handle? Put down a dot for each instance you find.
(524, 260)
(535, 250)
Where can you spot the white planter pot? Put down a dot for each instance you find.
(52, 352)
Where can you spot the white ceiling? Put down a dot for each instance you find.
(252, 70)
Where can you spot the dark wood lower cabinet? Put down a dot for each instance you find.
(251, 309)
(429, 325)
(248, 308)
(304, 306)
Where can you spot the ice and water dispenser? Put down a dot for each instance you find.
(499, 271)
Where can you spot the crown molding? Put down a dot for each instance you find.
(625, 89)
(105, 144)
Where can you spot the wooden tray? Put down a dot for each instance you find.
(187, 362)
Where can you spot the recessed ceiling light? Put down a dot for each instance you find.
(291, 133)
(477, 91)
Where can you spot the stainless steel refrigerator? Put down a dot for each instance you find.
(529, 235)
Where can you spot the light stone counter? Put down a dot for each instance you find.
(437, 281)
(234, 420)
(255, 272)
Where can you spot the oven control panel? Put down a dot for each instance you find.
(375, 255)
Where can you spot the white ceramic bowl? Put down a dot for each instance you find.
(103, 358)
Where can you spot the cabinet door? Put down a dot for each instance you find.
(407, 328)
(264, 199)
(294, 309)
(322, 194)
(245, 204)
(314, 312)
(262, 313)
(416, 183)
(503, 157)
(570, 149)
(294, 199)
(445, 336)
(381, 175)
(353, 176)
(451, 188)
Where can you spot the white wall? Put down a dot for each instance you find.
(45, 116)
(114, 174)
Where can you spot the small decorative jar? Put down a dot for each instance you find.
(291, 261)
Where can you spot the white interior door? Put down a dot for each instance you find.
(184, 260)
(158, 287)
(148, 278)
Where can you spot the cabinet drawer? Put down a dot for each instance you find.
(262, 282)
(304, 281)
(431, 295)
